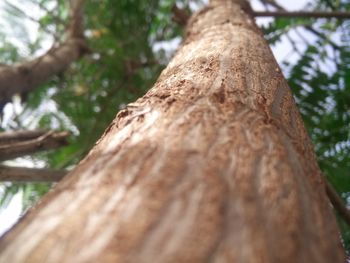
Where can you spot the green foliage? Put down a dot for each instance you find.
(280, 26)
(31, 193)
(8, 52)
(8, 190)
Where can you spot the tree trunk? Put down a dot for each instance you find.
(213, 164)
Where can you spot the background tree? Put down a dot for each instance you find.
(124, 69)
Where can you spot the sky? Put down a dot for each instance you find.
(281, 51)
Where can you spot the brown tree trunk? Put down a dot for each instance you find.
(213, 164)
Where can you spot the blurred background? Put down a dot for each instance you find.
(130, 42)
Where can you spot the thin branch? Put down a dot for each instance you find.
(292, 42)
(301, 36)
(307, 27)
(274, 4)
(312, 14)
(19, 136)
(76, 25)
(50, 12)
(29, 17)
(179, 15)
(337, 202)
(49, 140)
(315, 32)
(22, 174)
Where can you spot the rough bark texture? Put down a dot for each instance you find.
(25, 77)
(213, 164)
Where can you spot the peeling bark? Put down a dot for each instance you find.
(24, 77)
(213, 164)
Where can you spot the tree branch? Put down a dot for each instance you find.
(337, 202)
(26, 76)
(179, 15)
(23, 174)
(274, 4)
(307, 27)
(47, 141)
(15, 7)
(19, 136)
(313, 14)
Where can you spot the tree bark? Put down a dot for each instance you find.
(25, 77)
(20, 136)
(23, 174)
(213, 164)
(12, 147)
